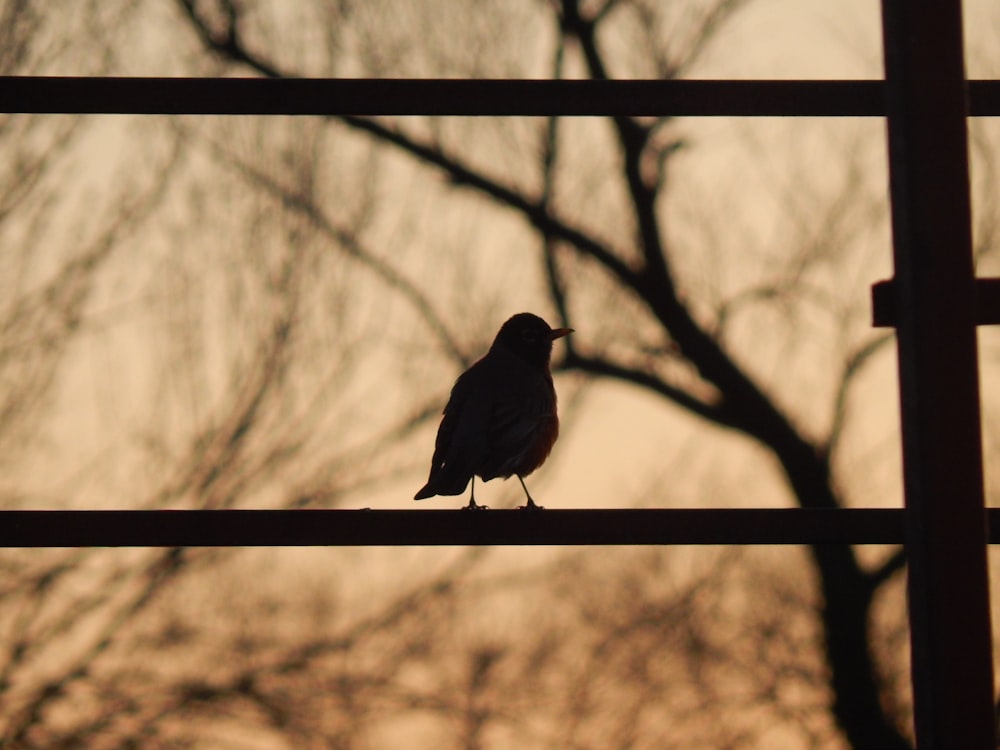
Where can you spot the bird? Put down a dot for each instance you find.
(500, 420)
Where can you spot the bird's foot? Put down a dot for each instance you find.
(531, 503)
(531, 506)
(473, 505)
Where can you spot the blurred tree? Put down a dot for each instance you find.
(307, 290)
(137, 366)
(658, 331)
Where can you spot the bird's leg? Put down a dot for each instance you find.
(530, 505)
(472, 498)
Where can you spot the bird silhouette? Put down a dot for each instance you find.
(500, 420)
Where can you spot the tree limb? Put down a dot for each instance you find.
(606, 368)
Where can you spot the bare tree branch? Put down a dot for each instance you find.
(604, 367)
(852, 367)
(892, 565)
(351, 244)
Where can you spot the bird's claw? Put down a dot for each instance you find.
(530, 506)
(473, 505)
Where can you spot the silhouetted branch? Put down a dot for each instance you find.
(894, 564)
(603, 367)
(349, 241)
(549, 158)
(853, 365)
(458, 173)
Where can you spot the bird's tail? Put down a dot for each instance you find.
(442, 484)
(425, 492)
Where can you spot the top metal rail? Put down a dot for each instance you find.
(487, 97)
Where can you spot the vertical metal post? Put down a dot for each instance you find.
(939, 383)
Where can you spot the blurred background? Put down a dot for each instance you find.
(244, 312)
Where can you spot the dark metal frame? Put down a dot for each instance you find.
(934, 302)
(360, 528)
(460, 98)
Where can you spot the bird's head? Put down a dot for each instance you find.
(529, 337)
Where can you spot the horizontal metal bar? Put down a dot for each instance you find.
(987, 303)
(462, 97)
(294, 528)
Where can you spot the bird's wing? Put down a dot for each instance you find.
(461, 440)
(514, 420)
(518, 421)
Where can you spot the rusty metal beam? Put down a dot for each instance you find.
(946, 532)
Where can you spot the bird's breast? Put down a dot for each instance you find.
(539, 449)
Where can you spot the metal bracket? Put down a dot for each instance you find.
(987, 291)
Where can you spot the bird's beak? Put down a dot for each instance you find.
(558, 333)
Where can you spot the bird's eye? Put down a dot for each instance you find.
(529, 335)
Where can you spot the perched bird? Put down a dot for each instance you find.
(500, 420)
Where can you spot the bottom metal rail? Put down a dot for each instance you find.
(296, 528)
